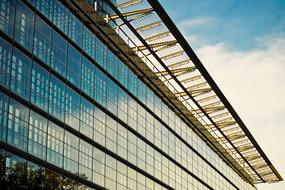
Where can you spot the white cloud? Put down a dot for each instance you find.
(253, 82)
(190, 23)
(198, 25)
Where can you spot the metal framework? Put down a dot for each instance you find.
(163, 48)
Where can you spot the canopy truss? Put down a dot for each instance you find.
(157, 41)
(177, 66)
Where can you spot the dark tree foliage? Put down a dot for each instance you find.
(33, 177)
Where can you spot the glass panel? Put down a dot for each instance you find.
(40, 87)
(18, 125)
(75, 29)
(55, 144)
(112, 97)
(60, 16)
(100, 81)
(42, 40)
(74, 66)
(71, 152)
(21, 74)
(5, 62)
(123, 76)
(57, 98)
(101, 53)
(89, 42)
(88, 77)
(99, 126)
(16, 171)
(7, 11)
(37, 135)
(85, 160)
(111, 134)
(72, 108)
(24, 26)
(86, 118)
(59, 54)
(45, 7)
(3, 116)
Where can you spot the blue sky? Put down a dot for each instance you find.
(238, 23)
(242, 45)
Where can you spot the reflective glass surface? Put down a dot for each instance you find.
(80, 108)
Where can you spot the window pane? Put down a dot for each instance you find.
(75, 29)
(112, 97)
(7, 11)
(88, 76)
(72, 108)
(86, 118)
(18, 125)
(55, 144)
(89, 42)
(57, 98)
(71, 152)
(85, 156)
(85, 160)
(74, 66)
(16, 168)
(45, 7)
(60, 16)
(24, 28)
(3, 116)
(21, 74)
(42, 40)
(100, 81)
(37, 135)
(40, 87)
(5, 62)
(59, 54)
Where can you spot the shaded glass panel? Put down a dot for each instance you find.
(72, 108)
(55, 144)
(101, 83)
(59, 54)
(7, 11)
(75, 29)
(37, 135)
(57, 98)
(89, 41)
(88, 77)
(5, 62)
(60, 16)
(86, 118)
(24, 26)
(3, 116)
(18, 125)
(74, 66)
(42, 40)
(71, 147)
(40, 87)
(85, 160)
(16, 171)
(21, 74)
(45, 7)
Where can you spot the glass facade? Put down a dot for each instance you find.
(71, 111)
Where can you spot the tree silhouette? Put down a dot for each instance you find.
(33, 177)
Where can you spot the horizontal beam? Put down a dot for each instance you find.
(149, 26)
(157, 36)
(175, 71)
(128, 3)
(132, 13)
(155, 45)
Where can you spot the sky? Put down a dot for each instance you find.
(242, 45)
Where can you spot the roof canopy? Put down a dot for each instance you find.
(158, 42)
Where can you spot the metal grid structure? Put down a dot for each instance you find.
(147, 28)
